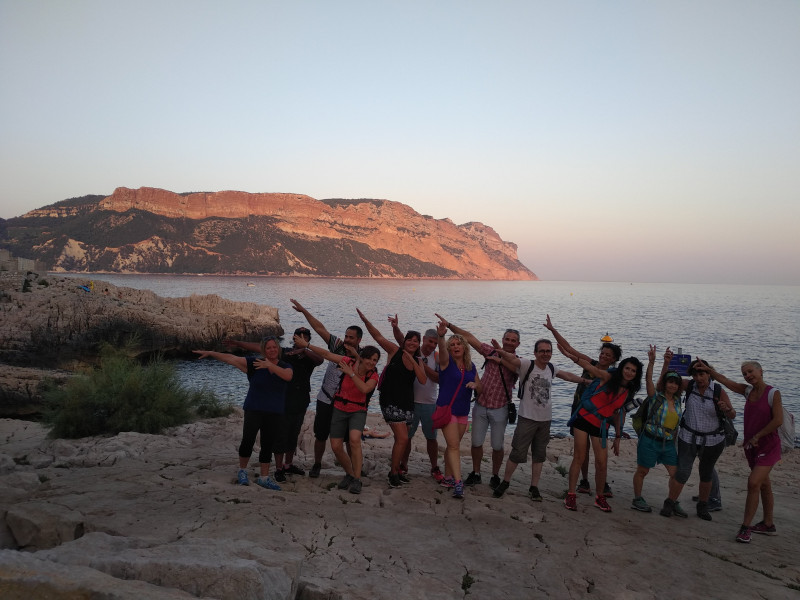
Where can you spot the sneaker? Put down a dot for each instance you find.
(762, 528)
(293, 470)
(494, 482)
(280, 475)
(600, 502)
(403, 469)
(702, 512)
(346, 481)
(437, 474)
(403, 477)
(315, 470)
(394, 480)
(533, 492)
(744, 534)
(571, 501)
(607, 491)
(472, 479)
(500, 489)
(268, 483)
(458, 490)
(584, 487)
(241, 478)
(355, 486)
(666, 511)
(641, 505)
(448, 482)
(678, 511)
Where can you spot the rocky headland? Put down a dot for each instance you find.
(50, 325)
(149, 230)
(159, 516)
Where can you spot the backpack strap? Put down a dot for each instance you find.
(522, 383)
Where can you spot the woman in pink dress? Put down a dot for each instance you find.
(763, 415)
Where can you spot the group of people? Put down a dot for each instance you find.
(431, 379)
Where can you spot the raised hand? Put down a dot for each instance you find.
(393, 321)
(651, 354)
(296, 305)
(549, 324)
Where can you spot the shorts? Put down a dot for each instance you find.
(584, 425)
(322, 421)
(708, 458)
(287, 440)
(395, 414)
(342, 423)
(653, 451)
(530, 434)
(462, 420)
(762, 455)
(482, 419)
(423, 413)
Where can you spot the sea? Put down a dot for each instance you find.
(723, 324)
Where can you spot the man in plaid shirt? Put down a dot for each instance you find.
(491, 407)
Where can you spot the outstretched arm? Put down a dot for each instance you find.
(315, 323)
(240, 362)
(571, 377)
(246, 346)
(301, 342)
(561, 341)
(444, 355)
(507, 359)
(733, 386)
(582, 361)
(651, 361)
(390, 347)
(471, 339)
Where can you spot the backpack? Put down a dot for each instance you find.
(786, 432)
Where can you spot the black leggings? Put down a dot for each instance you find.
(269, 424)
(708, 458)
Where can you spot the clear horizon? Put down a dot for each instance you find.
(623, 141)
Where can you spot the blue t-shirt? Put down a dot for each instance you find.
(267, 391)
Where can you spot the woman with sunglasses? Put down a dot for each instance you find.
(264, 406)
(397, 391)
(662, 415)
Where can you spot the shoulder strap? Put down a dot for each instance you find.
(770, 394)
(522, 383)
(552, 369)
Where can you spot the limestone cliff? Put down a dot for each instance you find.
(150, 230)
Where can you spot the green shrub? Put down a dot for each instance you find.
(123, 395)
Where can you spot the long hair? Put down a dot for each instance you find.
(616, 382)
(465, 345)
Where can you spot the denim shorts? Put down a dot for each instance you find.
(423, 413)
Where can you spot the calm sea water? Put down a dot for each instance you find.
(724, 324)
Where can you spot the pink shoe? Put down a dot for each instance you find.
(600, 502)
(437, 474)
(571, 502)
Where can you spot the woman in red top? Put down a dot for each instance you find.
(593, 419)
(359, 380)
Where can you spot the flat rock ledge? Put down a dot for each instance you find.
(160, 516)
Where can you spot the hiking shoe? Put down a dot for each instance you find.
(280, 475)
(666, 511)
(403, 477)
(494, 482)
(702, 512)
(600, 502)
(500, 489)
(458, 490)
(315, 470)
(571, 501)
(584, 487)
(448, 482)
(268, 483)
(346, 481)
(744, 534)
(678, 511)
(241, 478)
(607, 491)
(533, 492)
(714, 504)
(293, 470)
(762, 528)
(394, 480)
(641, 505)
(472, 479)
(437, 474)
(355, 486)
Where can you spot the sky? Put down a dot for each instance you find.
(611, 141)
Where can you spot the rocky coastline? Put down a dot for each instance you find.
(160, 516)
